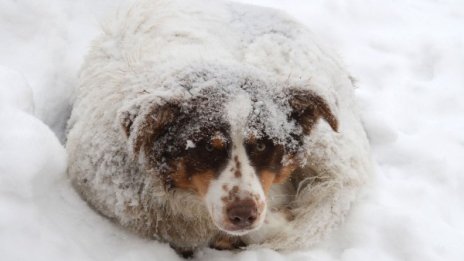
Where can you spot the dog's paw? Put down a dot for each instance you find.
(225, 242)
(185, 252)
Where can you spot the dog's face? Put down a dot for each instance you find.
(227, 145)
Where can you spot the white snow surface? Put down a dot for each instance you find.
(407, 56)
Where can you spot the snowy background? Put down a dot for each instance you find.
(408, 58)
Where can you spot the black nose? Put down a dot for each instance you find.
(242, 213)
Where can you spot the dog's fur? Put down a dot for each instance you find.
(186, 110)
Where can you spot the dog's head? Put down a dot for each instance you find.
(227, 141)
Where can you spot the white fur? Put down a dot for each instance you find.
(248, 183)
(145, 47)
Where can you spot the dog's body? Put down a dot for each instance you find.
(186, 114)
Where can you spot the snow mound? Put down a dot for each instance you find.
(39, 210)
(15, 91)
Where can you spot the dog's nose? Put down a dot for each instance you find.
(243, 213)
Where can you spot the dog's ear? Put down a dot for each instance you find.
(307, 107)
(143, 123)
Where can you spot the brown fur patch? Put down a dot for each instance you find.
(237, 162)
(226, 242)
(267, 178)
(199, 182)
(232, 196)
(285, 172)
(179, 178)
(155, 120)
(217, 141)
(308, 107)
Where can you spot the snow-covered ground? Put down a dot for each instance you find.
(408, 57)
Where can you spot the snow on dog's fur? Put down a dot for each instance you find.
(220, 124)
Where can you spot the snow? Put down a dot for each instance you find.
(190, 145)
(407, 58)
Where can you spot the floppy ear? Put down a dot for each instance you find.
(143, 123)
(307, 107)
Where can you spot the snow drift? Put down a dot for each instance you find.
(406, 56)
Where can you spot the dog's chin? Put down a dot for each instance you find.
(230, 230)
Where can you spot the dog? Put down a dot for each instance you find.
(216, 124)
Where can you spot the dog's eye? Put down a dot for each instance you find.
(260, 146)
(209, 147)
